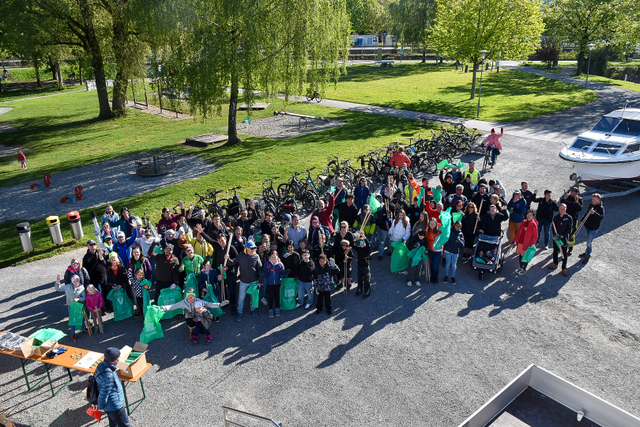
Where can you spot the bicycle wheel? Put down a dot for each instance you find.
(309, 201)
(486, 161)
(318, 97)
(284, 189)
(308, 96)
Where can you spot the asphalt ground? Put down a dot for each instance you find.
(426, 356)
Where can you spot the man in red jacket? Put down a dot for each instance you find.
(399, 158)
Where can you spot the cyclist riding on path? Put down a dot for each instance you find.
(492, 142)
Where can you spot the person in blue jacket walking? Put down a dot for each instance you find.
(111, 395)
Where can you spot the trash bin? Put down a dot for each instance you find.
(76, 225)
(24, 233)
(54, 229)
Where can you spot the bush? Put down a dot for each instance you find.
(618, 73)
(600, 56)
(570, 55)
(549, 52)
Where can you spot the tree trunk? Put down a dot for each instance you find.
(473, 80)
(424, 56)
(121, 78)
(580, 68)
(60, 81)
(233, 108)
(36, 66)
(93, 49)
(52, 67)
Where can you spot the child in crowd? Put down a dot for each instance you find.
(324, 284)
(23, 160)
(273, 273)
(343, 261)
(451, 251)
(306, 274)
(94, 303)
(486, 258)
(363, 250)
(74, 293)
(136, 284)
(209, 276)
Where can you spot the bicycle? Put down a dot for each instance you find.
(313, 95)
(300, 191)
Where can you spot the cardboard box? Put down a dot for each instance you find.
(31, 348)
(130, 370)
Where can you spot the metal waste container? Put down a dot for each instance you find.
(54, 229)
(76, 225)
(24, 233)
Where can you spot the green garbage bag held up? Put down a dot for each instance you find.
(152, 329)
(374, 204)
(170, 296)
(191, 282)
(399, 258)
(76, 314)
(529, 253)
(456, 216)
(254, 291)
(146, 297)
(288, 293)
(437, 194)
(445, 229)
(122, 305)
(418, 254)
(211, 297)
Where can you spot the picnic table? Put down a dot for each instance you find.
(386, 63)
(69, 360)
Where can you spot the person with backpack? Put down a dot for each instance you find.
(110, 398)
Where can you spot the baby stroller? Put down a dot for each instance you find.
(487, 255)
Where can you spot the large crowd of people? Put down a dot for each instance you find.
(255, 253)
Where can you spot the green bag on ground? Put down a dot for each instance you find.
(254, 291)
(146, 298)
(288, 292)
(529, 253)
(122, 305)
(170, 296)
(399, 258)
(48, 334)
(152, 328)
(75, 314)
(211, 297)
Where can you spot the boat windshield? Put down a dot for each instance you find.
(629, 127)
(605, 148)
(580, 143)
(606, 124)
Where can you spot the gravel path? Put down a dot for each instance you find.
(20, 202)
(284, 127)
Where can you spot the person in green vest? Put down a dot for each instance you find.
(191, 263)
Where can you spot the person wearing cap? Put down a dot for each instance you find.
(107, 245)
(167, 265)
(574, 204)
(295, 232)
(196, 315)
(492, 143)
(544, 216)
(361, 193)
(74, 292)
(169, 221)
(592, 220)
(123, 245)
(481, 199)
(250, 265)
(448, 183)
(517, 207)
(111, 394)
(315, 231)
(348, 211)
(286, 222)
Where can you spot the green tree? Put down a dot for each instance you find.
(507, 29)
(253, 45)
(586, 21)
(410, 21)
(367, 16)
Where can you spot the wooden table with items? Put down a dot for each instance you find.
(72, 359)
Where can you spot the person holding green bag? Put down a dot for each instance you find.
(526, 236)
(74, 292)
(196, 315)
(250, 265)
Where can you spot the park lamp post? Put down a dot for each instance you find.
(484, 54)
(590, 46)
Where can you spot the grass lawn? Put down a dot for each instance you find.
(62, 133)
(506, 96)
(13, 95)
(621, 83)
(541, 66)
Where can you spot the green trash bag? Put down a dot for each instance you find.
(191, 282)
(152, 328)
(288, 293)
(456, 216)
(170, 296)
(529, 253)
(437, 194)
(418, 254)
(254, 291)
(445, 229)
(76, 314)
(146, 297)
(399, 258)
(374, 204)
(122, 305)
(43, 335)
(211, 297)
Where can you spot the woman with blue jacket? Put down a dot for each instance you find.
(517, 209)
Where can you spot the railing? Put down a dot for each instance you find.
(228, 422)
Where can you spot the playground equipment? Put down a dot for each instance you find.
(46, 182)
(74, 198)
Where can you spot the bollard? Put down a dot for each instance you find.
(76, 225)
(24, 233)
(54, 229)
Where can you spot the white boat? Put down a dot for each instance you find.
(610, 151)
